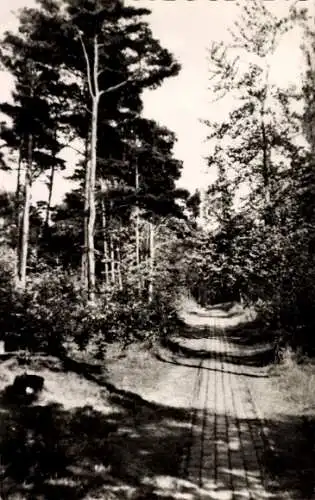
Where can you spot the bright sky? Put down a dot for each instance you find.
(186, 28)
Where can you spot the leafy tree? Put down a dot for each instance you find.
(263, 197)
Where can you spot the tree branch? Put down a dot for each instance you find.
(88, 65)
(107, 68)
(115, 87)
(73, 148)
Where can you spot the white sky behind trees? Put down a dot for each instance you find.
(187, 29)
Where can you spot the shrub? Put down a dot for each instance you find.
(53, 317)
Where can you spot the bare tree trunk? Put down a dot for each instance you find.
(50, 192)
(18, 189)
(92, 72)
(18, 218)
(91, 202)
(266, 150)
(152, 261)
(266, 161)
(118, 256)
(23, 247)
(106, 261)
(95, 94)
(84, 271)
(105, 244)
(137, 228)
(112, 259)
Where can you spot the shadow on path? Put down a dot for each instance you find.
(257, 356)
(180, 362)
(134, 452)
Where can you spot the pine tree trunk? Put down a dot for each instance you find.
(91, 203)
(18, 218)
(18, 189)
(112, 259)
(137, 228)
(106, 261)
(92, 67)
(23, 247)
(50, 192)
(92, 73)
(119, 275)
(105, 244)
(84, 271)
(152, 261)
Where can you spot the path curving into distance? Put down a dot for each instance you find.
(229, 438)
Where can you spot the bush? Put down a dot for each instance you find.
(37, 319)
(53, 317)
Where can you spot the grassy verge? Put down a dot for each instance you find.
(296, 380)
(134, 367)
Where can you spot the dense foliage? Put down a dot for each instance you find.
(259, 246)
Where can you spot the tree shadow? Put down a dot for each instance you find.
(223, 306)
(142, 450)
(293, 460)
(249, 334)
(48, 452)
(257, 356)
(181, 362)
(193, 332)
(242, 460)
(214, 313)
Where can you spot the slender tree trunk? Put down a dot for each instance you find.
(92, 73)
(18, 189)
(105, 244)
(106, 259)
(50, 192)
(18, 218)
(112, 259)
(23, 253)
(266, 173)
(119, 274)
(266, 151)
(91, 203)
(95, 94)
(152, 261)
(84, 270)
(137, 227)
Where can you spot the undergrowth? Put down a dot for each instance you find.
(296, 378)
(53, 316)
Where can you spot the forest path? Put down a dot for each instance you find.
(230, 440)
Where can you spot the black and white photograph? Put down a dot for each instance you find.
(157, 250)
